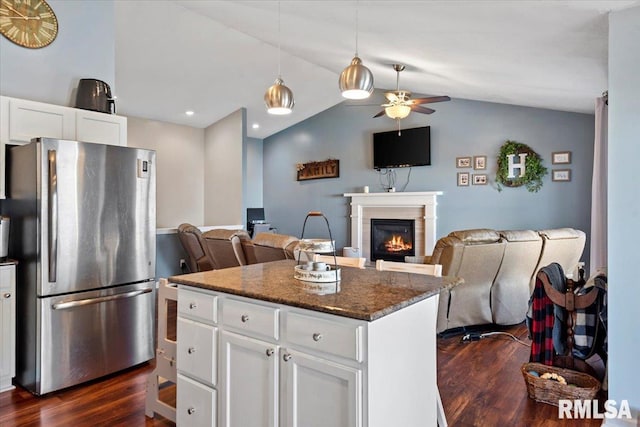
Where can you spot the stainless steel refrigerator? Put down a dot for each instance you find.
(83, 231)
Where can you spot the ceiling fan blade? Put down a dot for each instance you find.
(430, 100)
(423, 110)
(381, 113)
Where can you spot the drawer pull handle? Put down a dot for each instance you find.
(192, 306)
(244, 318)
(270, 352)
(317, 337)
(191, 410)
(191, 350)
(286, 357)
(7, 295)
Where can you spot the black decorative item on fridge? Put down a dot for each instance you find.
(95, 95)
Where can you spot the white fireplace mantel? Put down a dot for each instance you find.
(425, 200)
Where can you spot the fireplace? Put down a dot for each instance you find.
(392, 239)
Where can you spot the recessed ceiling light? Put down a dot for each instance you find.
(189, 113)
(255, 125)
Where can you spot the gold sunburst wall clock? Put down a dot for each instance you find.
(28, 23)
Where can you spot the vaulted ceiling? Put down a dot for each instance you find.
(214, 57)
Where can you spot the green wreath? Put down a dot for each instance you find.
(534, 170)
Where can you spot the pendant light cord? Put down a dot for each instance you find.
(356, 27)
(279, 40)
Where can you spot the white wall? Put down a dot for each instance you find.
(223, 170)
(51, 74)
(179, 169)
(624, 208)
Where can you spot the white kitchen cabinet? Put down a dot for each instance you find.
(21, 120)
(196, 350)
(318, 392)
(248, 382)
(196, 403)
(7, 325)
(284, 366)
(30, 119)
(101, 128)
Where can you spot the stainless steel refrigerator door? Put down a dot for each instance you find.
(97, 216)
(92, 334)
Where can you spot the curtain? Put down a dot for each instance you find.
(598, 260)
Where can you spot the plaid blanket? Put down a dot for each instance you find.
(545, 319)
(590, 330)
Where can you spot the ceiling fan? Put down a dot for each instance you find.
(400, 104)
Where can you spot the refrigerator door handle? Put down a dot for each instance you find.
(88, 301)
(53, 216)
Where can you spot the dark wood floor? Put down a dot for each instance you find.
(480, 384)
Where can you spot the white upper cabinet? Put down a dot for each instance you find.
(101, 128)
(22, 120)
(29, 119)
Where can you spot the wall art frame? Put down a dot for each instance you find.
(561, 158)
(561, 175)
(463, 162)
(463, 179)
(329, 168)
(480, 162)
(480, 179)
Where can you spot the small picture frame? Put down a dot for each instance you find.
(479, 162)
(561, 158)
(463, 162)
(560, 175)
(480, 179)
(463, 179)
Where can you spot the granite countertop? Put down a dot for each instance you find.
(365, 294)
(8, 261)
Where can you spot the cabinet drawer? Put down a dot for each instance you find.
(253, 319)
(198, 305)
(197, 350)
(340, 339)
(195, 403)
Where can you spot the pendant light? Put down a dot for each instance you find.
(356, 81)
(279, 98)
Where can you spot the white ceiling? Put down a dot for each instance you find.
(214, 57)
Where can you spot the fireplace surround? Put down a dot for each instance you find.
(419, 206)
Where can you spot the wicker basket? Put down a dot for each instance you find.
(579, 385)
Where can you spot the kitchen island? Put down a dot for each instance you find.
(257, 347)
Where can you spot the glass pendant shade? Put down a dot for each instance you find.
(279, 98)
(397, 111)
(356, 81)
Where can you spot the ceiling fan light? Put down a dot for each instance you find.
(356, 81)
(397, 111)
(279, 98)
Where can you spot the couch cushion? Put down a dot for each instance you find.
(273, 240)
(561, 233)
(520, 235)
(476, 236)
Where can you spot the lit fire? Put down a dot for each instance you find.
(397, 244)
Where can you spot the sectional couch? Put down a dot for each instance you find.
(498, 268)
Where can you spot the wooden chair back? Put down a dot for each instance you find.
(405, 267)
(340, 260)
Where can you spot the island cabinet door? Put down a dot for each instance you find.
(318, 392)
(248, 382)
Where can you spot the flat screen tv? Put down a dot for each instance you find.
(411, 148)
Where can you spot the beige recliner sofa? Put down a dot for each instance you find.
(266, 247)
(498, 269)
(224, 247)
(474, 255)
(510, 291)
